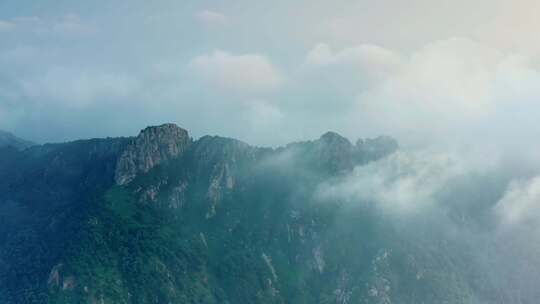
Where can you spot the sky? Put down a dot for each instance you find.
(457, 83)
(445, 73)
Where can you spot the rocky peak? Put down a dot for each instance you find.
(151, 147)
(334, 151)
(335, 140)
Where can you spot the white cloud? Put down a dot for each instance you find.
(212, 18)
(248, 73)
(444, 78)
(262, 115)
(372, 61)
(521, 204)
(402, 183)
(6, 26)
(450, 90)
(321, 54)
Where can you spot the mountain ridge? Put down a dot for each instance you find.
(163, 218)
(9, 140)
(79, 205)
(212, 220)
(175, 140)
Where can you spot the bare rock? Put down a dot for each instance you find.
(153, 146)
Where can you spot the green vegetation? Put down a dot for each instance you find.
(223, 223)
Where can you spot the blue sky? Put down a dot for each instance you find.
(269, 72)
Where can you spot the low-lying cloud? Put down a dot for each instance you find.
(483, 213)
(401, 183)
(520, 206)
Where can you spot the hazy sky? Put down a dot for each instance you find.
(269, 72)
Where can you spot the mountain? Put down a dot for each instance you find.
(10, 140)
(164, 218)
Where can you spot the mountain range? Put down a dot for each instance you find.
(164, 218)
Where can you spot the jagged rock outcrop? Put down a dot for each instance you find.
(153, 146)
(217, 159)
(335, 151)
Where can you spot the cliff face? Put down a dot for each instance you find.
(153, 146)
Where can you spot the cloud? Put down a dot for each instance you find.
(212, 18)
(449, 90)
(521, 204)
(6, 26)
(443, 204)
(262, 114)
(402, 183)
(245, 74)
(76, 88)
(448, 80)
(371, 61)
(433, 90)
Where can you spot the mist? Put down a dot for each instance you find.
(480, 213)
